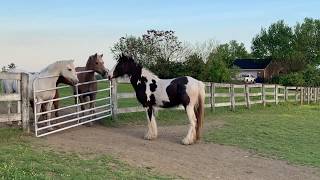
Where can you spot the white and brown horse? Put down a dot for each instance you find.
(153, 92)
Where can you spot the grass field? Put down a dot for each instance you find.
(20, 159)
(286, 132)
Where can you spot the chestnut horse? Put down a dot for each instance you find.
(96, 65)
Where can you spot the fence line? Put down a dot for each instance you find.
(233, 95)
(22, 98)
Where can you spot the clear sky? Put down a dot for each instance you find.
(35, 33)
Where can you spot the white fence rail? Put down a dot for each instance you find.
(232, 95)
(22, 99)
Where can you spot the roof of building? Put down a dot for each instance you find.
(252, 63)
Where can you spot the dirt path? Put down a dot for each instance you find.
(166, 154)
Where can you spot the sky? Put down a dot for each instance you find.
(35, 33)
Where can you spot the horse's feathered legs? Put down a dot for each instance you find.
(152, 132)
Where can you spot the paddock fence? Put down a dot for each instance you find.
(233, 95)
(73, 112)
(21, 98)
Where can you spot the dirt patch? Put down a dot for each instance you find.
(166, 155)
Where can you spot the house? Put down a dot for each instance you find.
(261, 69)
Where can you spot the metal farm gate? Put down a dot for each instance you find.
(70, 113)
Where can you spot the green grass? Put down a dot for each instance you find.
(19, 159)
(286, 132)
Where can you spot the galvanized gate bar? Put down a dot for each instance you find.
(72, 119)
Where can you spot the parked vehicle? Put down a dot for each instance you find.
(248, 78)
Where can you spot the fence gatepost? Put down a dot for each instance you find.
(286, 94)
(248, 96)
(24, 92)
(114, 99)
(263, 93)
(213, 99)
(276, 99)
(301, 95)
(316, 91)
(297, 94)
(232, 98)
(308, 95)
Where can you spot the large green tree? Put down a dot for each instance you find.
(275, 42)
(307, 40)
(230, 51)
(216, 69)
(194, 66)
(151, 48)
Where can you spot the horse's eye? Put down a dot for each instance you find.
(97, 63)
(69, 69)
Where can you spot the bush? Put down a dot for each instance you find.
(292, 79)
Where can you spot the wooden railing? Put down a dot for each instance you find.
(233, 95)
(22, 98)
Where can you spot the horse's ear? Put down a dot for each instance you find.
(101, 55)
(96, 54)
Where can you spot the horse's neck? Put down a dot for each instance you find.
(53, 73)
(89, 76)
(142, 76)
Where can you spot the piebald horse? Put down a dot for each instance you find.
(153, 92)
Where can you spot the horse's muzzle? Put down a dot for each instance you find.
(75, 81)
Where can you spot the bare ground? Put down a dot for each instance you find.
(166, 155)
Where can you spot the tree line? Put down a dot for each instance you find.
(295, 48)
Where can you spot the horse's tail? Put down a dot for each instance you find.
(199, 109)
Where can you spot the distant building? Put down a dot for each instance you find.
(261, 69)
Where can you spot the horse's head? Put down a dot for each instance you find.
(68, 72)
(125, 66)
(96, 64)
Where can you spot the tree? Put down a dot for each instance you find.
(230, 51)
(12, 66)
(4, 69)
(194, 66)
(152, 49)
(275, 42)
(217, 70)
(307, 40)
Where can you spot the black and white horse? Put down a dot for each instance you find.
(153, 92)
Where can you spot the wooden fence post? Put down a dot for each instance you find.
(301, 95)
(316, 92)
(296, 94)
(286, 94)
(263, 89)
(25, 102)
(308, 95)
(232, 98)
(114, 99)
(276, 90)
(213, 99)
(248, 96)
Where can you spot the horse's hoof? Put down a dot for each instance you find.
(149, 136)
(187, 141)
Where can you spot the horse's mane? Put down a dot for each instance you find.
(55, 64)
(130, 58)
